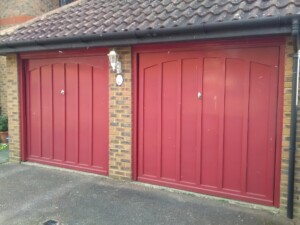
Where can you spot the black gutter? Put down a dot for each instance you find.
(293, 128)
(248, 28)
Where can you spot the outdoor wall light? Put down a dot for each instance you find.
(114, 61)
(116, 66)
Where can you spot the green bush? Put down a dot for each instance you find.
(3, 147)
(3, 123)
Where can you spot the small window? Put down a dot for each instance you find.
(65, 2)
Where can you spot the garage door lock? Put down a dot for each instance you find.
(199, 95)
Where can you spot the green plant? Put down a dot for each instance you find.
(3, 123)
(3, 147)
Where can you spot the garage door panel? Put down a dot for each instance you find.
(151, 120)
(259, 160)
(100, 119)
(35, 113)
(72, 112)
(85, 114)
(273, 105)
(236, 110)
(189, 151)
(46, 114)
(221, 142)
(58, 112)
(213, 78)
(70, 102)
(170, 80)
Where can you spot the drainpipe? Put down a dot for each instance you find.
(293, 128)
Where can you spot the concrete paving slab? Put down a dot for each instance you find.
(3, 156)
(31, 195)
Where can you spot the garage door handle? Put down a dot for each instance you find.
(199, 95)
(62, 92)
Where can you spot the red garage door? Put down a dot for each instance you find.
(67, 112)
(207, 121)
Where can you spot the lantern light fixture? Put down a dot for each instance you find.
(114, 61)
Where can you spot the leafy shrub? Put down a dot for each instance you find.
(3, 147)
(3, 123)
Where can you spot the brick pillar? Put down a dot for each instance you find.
(13, 108)
(288, 72)
(120, 114)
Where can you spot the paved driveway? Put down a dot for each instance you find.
(32, 195)
(3, 156)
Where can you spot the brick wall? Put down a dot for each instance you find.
(13, 108)
(297, 165)
(120, 110)
(286, 136)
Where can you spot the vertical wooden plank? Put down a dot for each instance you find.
(35, 113)
(78, 113)
(260, 162)
(220, 159)
(212, 102)
(46, 103)
(64, 118)
(189, 118)
(85, 109)
(52, 104)
(178, 123)
(271, 136)
(41, 115)
(245, 131)
(170, 71)
(140, 119)
(199, 122)
(92, 117)
(71, 96)
(152, 75)
(159, 120)
(59, 112)
(236, 87)
(100, 116)
(28, 109)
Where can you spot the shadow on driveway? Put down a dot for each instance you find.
(31, 195)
